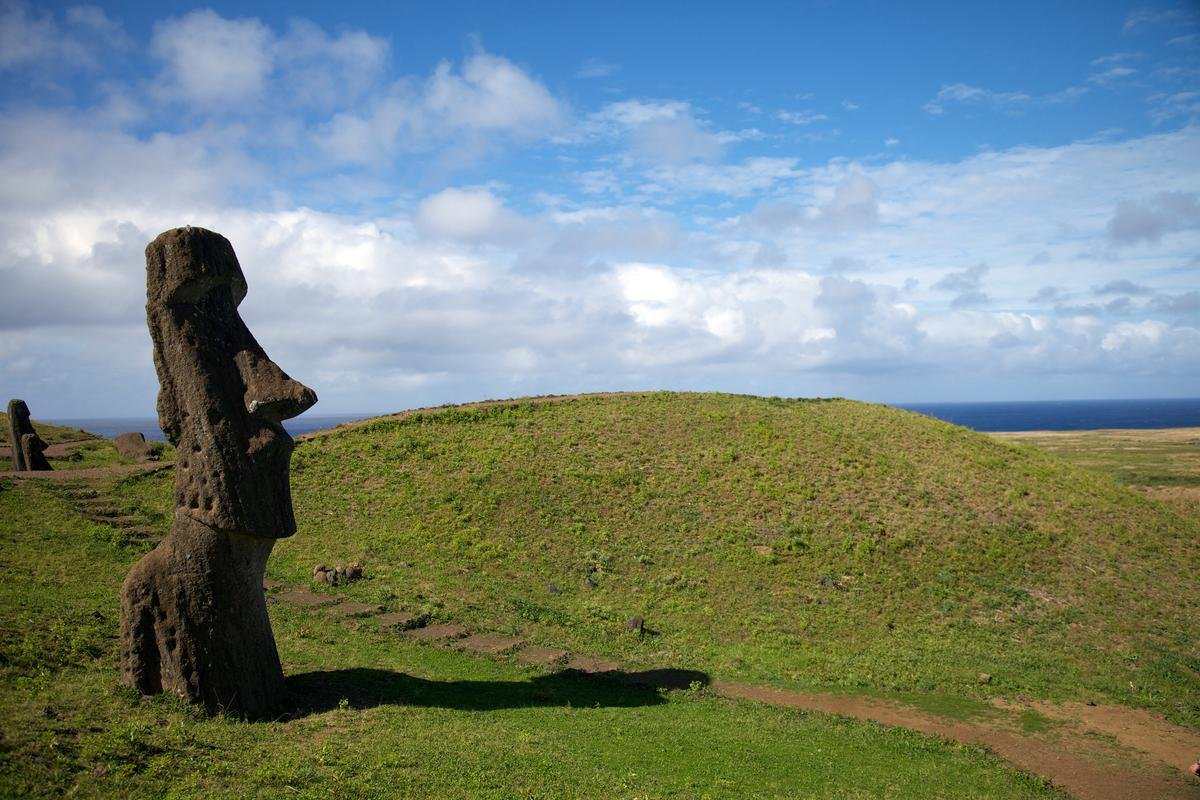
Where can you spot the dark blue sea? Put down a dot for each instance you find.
(1033, 415)
(1065, 415)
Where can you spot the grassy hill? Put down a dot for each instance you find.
(51, 434)
(816, 543)
(806, 544)
(386, 717)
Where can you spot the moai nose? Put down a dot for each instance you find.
(270, 393)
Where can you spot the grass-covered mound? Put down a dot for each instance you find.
(385, 717)
(821, 543)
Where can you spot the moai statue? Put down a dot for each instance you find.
(27, 447)
(193, 615)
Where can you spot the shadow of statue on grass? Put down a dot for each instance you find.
(362, 687)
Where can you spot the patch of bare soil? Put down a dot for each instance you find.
(447, 631)
(1087, 766)
(487, 644)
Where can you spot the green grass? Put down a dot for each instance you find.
(380, 717)
(818, 544)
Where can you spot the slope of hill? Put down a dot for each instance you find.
(51, 434)
(810, 543)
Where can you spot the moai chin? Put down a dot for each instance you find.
(193, 616)
(26, 446)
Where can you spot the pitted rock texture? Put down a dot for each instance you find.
(193, 616)
(27, 447)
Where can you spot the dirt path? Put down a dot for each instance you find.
(59, 450)
(1093, 752)
(1073, 756)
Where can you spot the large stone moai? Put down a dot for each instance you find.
(193, 615)
(27, 447)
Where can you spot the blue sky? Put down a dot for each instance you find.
(434, 203)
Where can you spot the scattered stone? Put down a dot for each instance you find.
(541, 656)
(134, 447)
(589, 583)
(983, 677)
(551, 588)
(449, 630)
(487, 644)
(26, 446)
(269, 584)
(829, 582)
(637, 625)
(337, 574)
(764, 549)
(401, 620)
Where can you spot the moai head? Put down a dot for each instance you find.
(221, 399)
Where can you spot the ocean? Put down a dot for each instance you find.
(1030, 415)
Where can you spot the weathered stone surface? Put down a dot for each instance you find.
(134, 447)
(193, 613)
(27, 447)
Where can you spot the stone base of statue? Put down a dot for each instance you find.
(194, 622)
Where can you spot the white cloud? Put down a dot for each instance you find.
(469, 215)
(211, 60)
(33, 38)
(1111, 75)
(675, 141)
(974, 95)
(801, 117)
(489, 97)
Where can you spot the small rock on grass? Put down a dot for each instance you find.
(636, 624)
(983, 677)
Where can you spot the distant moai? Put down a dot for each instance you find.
(27, 447)
(193, 616)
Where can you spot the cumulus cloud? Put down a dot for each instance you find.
(211, 60)
(1148, 221)
(34, 38)
(966, 283)
(469, 215)
(488, 97)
